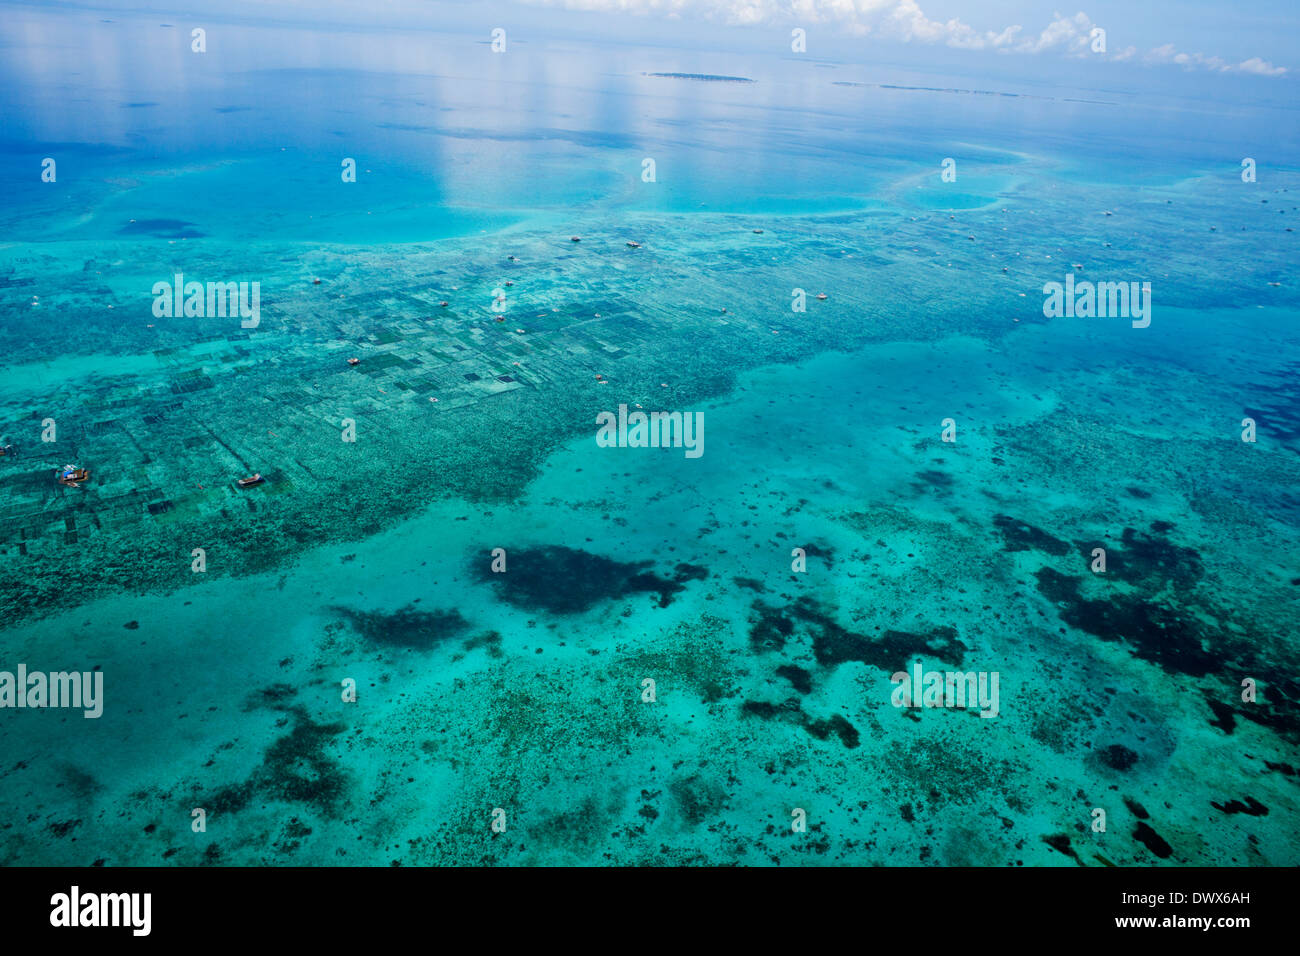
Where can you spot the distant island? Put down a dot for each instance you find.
(938, 89)
(707, 77)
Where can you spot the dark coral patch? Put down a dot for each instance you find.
(1060, 842)
(1251, 807)
(770, 630)
(792, 712)
(1152, 841)
(1224, 717)
(296, 768)
(231, 798)
(834, 644)
(824, 552)
(567, 580)
(939, 479)
(697, 798)
(490, 640)
(684, 572)
(934, 482)
(1180, 642)
(275, 696)
(1282, 711)
(1136, 809)
(821, 729)
(766, 710)
(1119, 757)
(800, 679)
(762, 708)
(1153, 560)
(406, 627)
(1019, 536)
(1156, 632)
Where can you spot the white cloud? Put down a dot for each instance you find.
(905, 21)
(1262, 67)
(1072, 33)
(1167, 54)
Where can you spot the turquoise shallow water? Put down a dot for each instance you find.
(370, 561)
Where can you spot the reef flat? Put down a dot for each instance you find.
(524, 691)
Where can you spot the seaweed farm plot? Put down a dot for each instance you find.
(462, 397)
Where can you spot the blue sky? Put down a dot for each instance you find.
(1190, 50)
(1236, 31)
(1191, 34)
(1209, 35)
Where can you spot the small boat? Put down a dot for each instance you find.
(512, 259)
(509, 283)
(758, 232)
(254, 479)
(443, 303)
(71, 476)
(821, 296)
(633, 245)
(315, 281)
(575, 239)
(354, 361)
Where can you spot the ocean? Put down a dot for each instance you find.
(448, 627)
